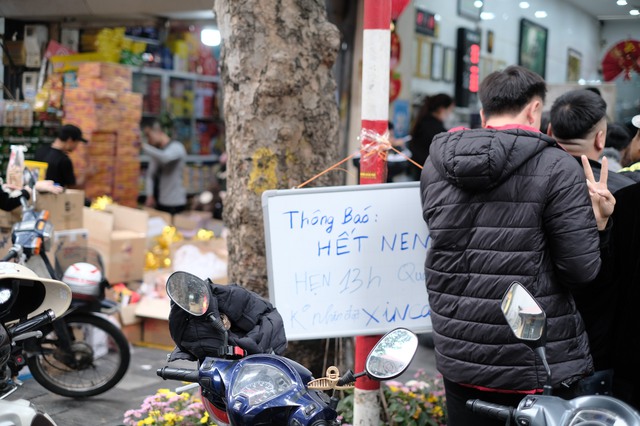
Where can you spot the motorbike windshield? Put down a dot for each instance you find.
(67, 256)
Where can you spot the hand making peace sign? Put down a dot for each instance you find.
(602, 200)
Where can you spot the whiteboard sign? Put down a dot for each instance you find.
(347, 261)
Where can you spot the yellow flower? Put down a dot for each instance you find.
(171, 417)
(163, 391)
(437, 411)
(412, 395)
(393, 388)
(205, 419)
(417, 413)
(432, 399)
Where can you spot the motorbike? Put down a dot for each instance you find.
(528, 322)
(80, 353)
(27, 303)
(270, 389)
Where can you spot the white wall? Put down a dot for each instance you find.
(567, 27)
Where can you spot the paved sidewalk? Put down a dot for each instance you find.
(139, 382)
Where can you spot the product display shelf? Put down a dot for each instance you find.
(185, 102)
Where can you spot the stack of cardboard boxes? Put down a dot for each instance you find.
(109, 114)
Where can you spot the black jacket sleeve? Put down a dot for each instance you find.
(9, 202)
(570, 225)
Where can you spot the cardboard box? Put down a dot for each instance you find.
(8, 219)
(205, 259)
(156, 332)
(120, 235)
(68, 239)
(191, 220)
(65, 210)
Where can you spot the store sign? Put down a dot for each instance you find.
(425, 22)
(467, 66)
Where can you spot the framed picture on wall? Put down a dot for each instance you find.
(449, 65)
(437, 62)
(574, 65)
(424, 58)
(532, 50)
(468, 9)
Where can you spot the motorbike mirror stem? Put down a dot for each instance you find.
(542, 353)
(218, 325)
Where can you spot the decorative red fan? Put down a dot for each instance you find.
(624, 57)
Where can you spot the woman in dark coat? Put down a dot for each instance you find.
(430, 121)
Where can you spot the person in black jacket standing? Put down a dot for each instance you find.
(430, 121)
(579, 125)
(504, 203)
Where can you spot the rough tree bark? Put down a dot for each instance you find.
(281, 115)
(281, 118)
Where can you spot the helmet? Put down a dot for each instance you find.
(29, 295)
(84, 279)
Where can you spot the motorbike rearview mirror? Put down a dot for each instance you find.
(524, 315)
(189, 292)
(528, 322)
(391, 356)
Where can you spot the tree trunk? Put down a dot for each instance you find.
(280, 110)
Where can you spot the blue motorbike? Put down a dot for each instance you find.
(268, 389)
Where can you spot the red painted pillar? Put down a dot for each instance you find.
(373, 164)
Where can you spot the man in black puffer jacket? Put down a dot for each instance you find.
(504, 203)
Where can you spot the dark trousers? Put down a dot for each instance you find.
(170, 209)
(459, 415)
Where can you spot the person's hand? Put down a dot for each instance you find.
(150, 201)
(48, 186)
(602, 200)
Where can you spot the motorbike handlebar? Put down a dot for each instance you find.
(495, 411)
(10, 255)
(182, 374)
(32, 324)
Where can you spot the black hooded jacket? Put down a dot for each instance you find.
(502, 206)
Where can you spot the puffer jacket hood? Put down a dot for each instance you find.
(480, 159)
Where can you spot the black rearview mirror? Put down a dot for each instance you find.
(189, 292)
(524, 315)
(391, 356)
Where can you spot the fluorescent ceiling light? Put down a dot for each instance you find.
(524, 5)
(621, 2)
(487, 16)
(478, 4)
(210, 37)
(540, 14)
(634, 12)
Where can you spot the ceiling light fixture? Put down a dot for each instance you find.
(540, 14)
(210, 37)
(525, 4)
(487, 16)
(621, 2)
(634, 12)
(478, 4)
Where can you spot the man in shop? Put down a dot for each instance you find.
(56, 155)
(164, 187)
(504, 203)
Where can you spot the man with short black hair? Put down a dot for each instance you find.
(504, 203)
(579, 125)
(56, 155)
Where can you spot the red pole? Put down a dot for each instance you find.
(373, 165)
